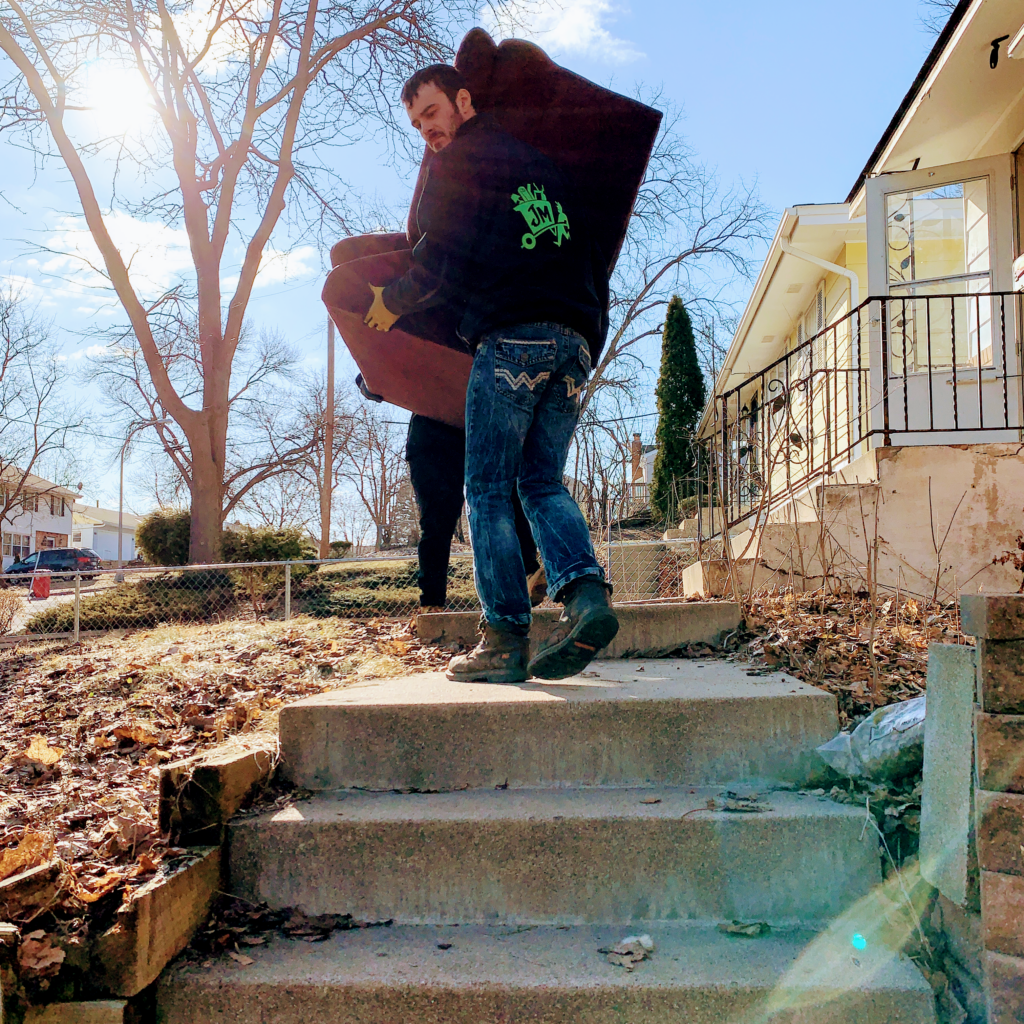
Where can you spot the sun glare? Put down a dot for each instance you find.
(116, 98)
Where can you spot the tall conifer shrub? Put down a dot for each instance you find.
(681, 395)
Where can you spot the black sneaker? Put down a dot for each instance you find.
(587, 624)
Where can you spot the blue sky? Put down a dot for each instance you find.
(793, 94)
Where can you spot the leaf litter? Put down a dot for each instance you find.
(85, 728)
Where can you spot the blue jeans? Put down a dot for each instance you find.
(521, 410)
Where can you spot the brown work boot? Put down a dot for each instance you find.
(500, 657)
(587, 624)
(537, 584)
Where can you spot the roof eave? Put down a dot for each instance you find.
(930, 61)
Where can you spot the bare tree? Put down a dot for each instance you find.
(350, 516)
(37, 417)
(936, 13)
(688, 235)
(247, 99)
(291, 497)
(374, 465)
(269, 433)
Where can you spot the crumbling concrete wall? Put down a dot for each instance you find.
(928, 520)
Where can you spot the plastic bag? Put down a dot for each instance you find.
(838, 755)
(887, 745)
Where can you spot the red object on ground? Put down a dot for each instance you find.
(600, 139)
(41, 585)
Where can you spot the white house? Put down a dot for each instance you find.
(96, 528)
(42, 518)
(871, 398)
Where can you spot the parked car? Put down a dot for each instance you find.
(60, 561)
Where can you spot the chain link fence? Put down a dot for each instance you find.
(40, 605)
(647, 570)
(71, 606)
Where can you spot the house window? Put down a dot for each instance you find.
(16, 544)
(76, 537)
(938, 245)
(30, 502)
(54, 504)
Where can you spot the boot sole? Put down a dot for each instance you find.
(573, 654)
(489, 677)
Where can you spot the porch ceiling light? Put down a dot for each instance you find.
(793, 289)
(767, 339)
(1016, 47)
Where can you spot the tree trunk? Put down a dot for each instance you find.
(207, 507)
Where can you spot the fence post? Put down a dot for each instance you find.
(78, 601)
(287, 591)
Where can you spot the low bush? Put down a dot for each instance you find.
(263, 586)
(162, 537)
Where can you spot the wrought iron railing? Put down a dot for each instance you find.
(900, 370)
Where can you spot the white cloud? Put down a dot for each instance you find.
(277, 267)
(564, 26)
(156, 256)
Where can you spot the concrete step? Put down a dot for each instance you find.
(549, 976)
(556, 857)
(672, 721)
(645, 630)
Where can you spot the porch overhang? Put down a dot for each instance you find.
(959, 107)
(783, 290)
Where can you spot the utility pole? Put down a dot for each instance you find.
(327, 489)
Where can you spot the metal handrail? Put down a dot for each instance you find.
(860, 372)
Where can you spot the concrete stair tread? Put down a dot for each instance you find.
(556, 856)
(671, 721)
(539, 805)
(649, 629)
(549, 975)
(619, 680)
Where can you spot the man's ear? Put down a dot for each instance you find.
(464, 103)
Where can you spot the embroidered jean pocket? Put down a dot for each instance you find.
(522, 369)
(574, 378)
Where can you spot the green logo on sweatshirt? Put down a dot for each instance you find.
(533, 204)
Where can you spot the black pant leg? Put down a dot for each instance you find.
(527, 544)
(435, 453)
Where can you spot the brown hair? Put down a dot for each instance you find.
(444, 76)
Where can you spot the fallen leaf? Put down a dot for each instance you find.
(747, 929)
(136, 733)
(630, 951)
(651, 800)
(98, 887)
(241, 958)
(41, 752)
(738, 804)
(37, 955)
(34, 849)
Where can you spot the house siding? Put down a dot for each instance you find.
(34, 523)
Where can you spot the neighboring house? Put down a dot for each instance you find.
(96, 528)
(40, 519)
(875, 376)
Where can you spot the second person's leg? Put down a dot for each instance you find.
(434, 452)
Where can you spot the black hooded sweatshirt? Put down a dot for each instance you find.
(501, 237)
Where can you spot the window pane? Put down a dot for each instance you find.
(938, 233)
(926, 328)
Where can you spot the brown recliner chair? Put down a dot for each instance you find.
(600, 139)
